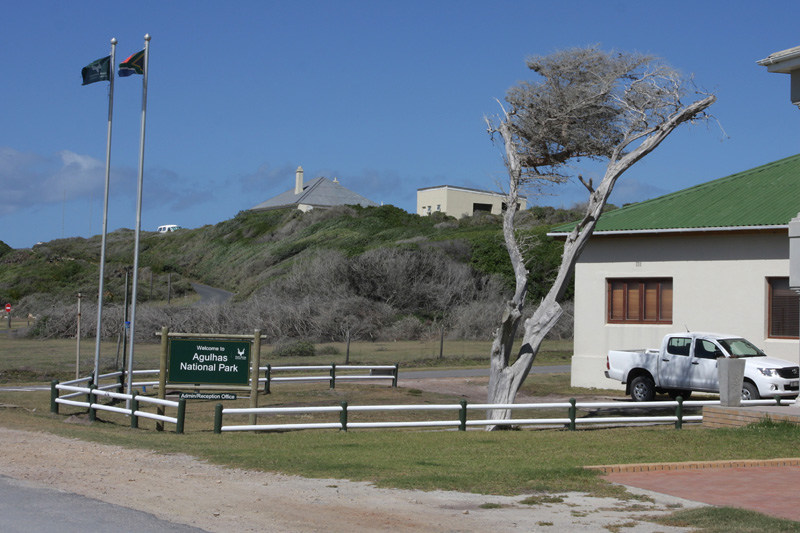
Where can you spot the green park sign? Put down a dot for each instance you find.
(204, 361)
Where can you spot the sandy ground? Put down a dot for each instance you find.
(185, 490)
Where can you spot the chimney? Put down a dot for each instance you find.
(298, 180)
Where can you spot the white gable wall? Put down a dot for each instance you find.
(719, 284)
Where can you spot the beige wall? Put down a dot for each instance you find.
(457, 202)
(719, 285)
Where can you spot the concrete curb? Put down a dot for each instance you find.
(694, 465)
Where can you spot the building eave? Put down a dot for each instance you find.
(675, 231)
(784, 61)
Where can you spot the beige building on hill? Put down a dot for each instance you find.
(460, 201)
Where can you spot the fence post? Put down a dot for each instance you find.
(396, 374)
(134, 408)
(347, 355)
(267, 375)
(343, 416)
(679, 413)
(53, 397)
(121, 380)
(462, 416)
(92, 399)
(333, 375)
(573, 413)
(255, 362)
(218, 418)
(181, 416)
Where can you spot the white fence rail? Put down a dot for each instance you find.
(571, 421)
(92, 394)
(299, 373)
(310, 373)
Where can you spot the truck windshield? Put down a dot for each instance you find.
(741, 348)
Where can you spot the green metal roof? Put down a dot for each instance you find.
(768, 195)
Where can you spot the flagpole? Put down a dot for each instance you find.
(105, 214)
(138, 212)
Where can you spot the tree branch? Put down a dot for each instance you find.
(587, 185)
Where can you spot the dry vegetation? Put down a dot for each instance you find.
(378, 274)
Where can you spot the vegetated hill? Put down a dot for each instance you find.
(379, 261)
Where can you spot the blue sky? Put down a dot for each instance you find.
(386, 96)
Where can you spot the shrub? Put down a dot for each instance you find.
(475, 320)
(407, 328)
(294, 349)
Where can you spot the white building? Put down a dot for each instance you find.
(714, 257)
(460, 201)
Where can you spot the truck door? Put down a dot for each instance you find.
(704, 373)
(675, 364)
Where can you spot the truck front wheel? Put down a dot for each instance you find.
(750, 391)
(643, 389)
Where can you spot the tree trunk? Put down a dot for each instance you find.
(505, 380)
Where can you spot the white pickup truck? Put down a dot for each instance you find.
(687, 362)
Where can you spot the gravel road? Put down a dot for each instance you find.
(183, 490)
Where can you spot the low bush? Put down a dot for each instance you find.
(294, 349)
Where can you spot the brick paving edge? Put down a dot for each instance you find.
(693, 465)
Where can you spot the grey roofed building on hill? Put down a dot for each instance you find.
(319, 193)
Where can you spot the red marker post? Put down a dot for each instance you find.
(8, 312)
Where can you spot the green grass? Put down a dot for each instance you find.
(727, 520)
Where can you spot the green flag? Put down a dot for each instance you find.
(99, 70)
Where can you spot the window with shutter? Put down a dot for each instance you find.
(784, 309)
(639, 301)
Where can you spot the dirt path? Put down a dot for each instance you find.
(182, 489)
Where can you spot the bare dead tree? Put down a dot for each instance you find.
(606, 106)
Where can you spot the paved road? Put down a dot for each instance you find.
(27, 507)
(210, 295)
(473, 372)
(31, 388)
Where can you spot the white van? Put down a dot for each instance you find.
(168, 228)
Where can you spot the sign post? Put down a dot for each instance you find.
(8, 312)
